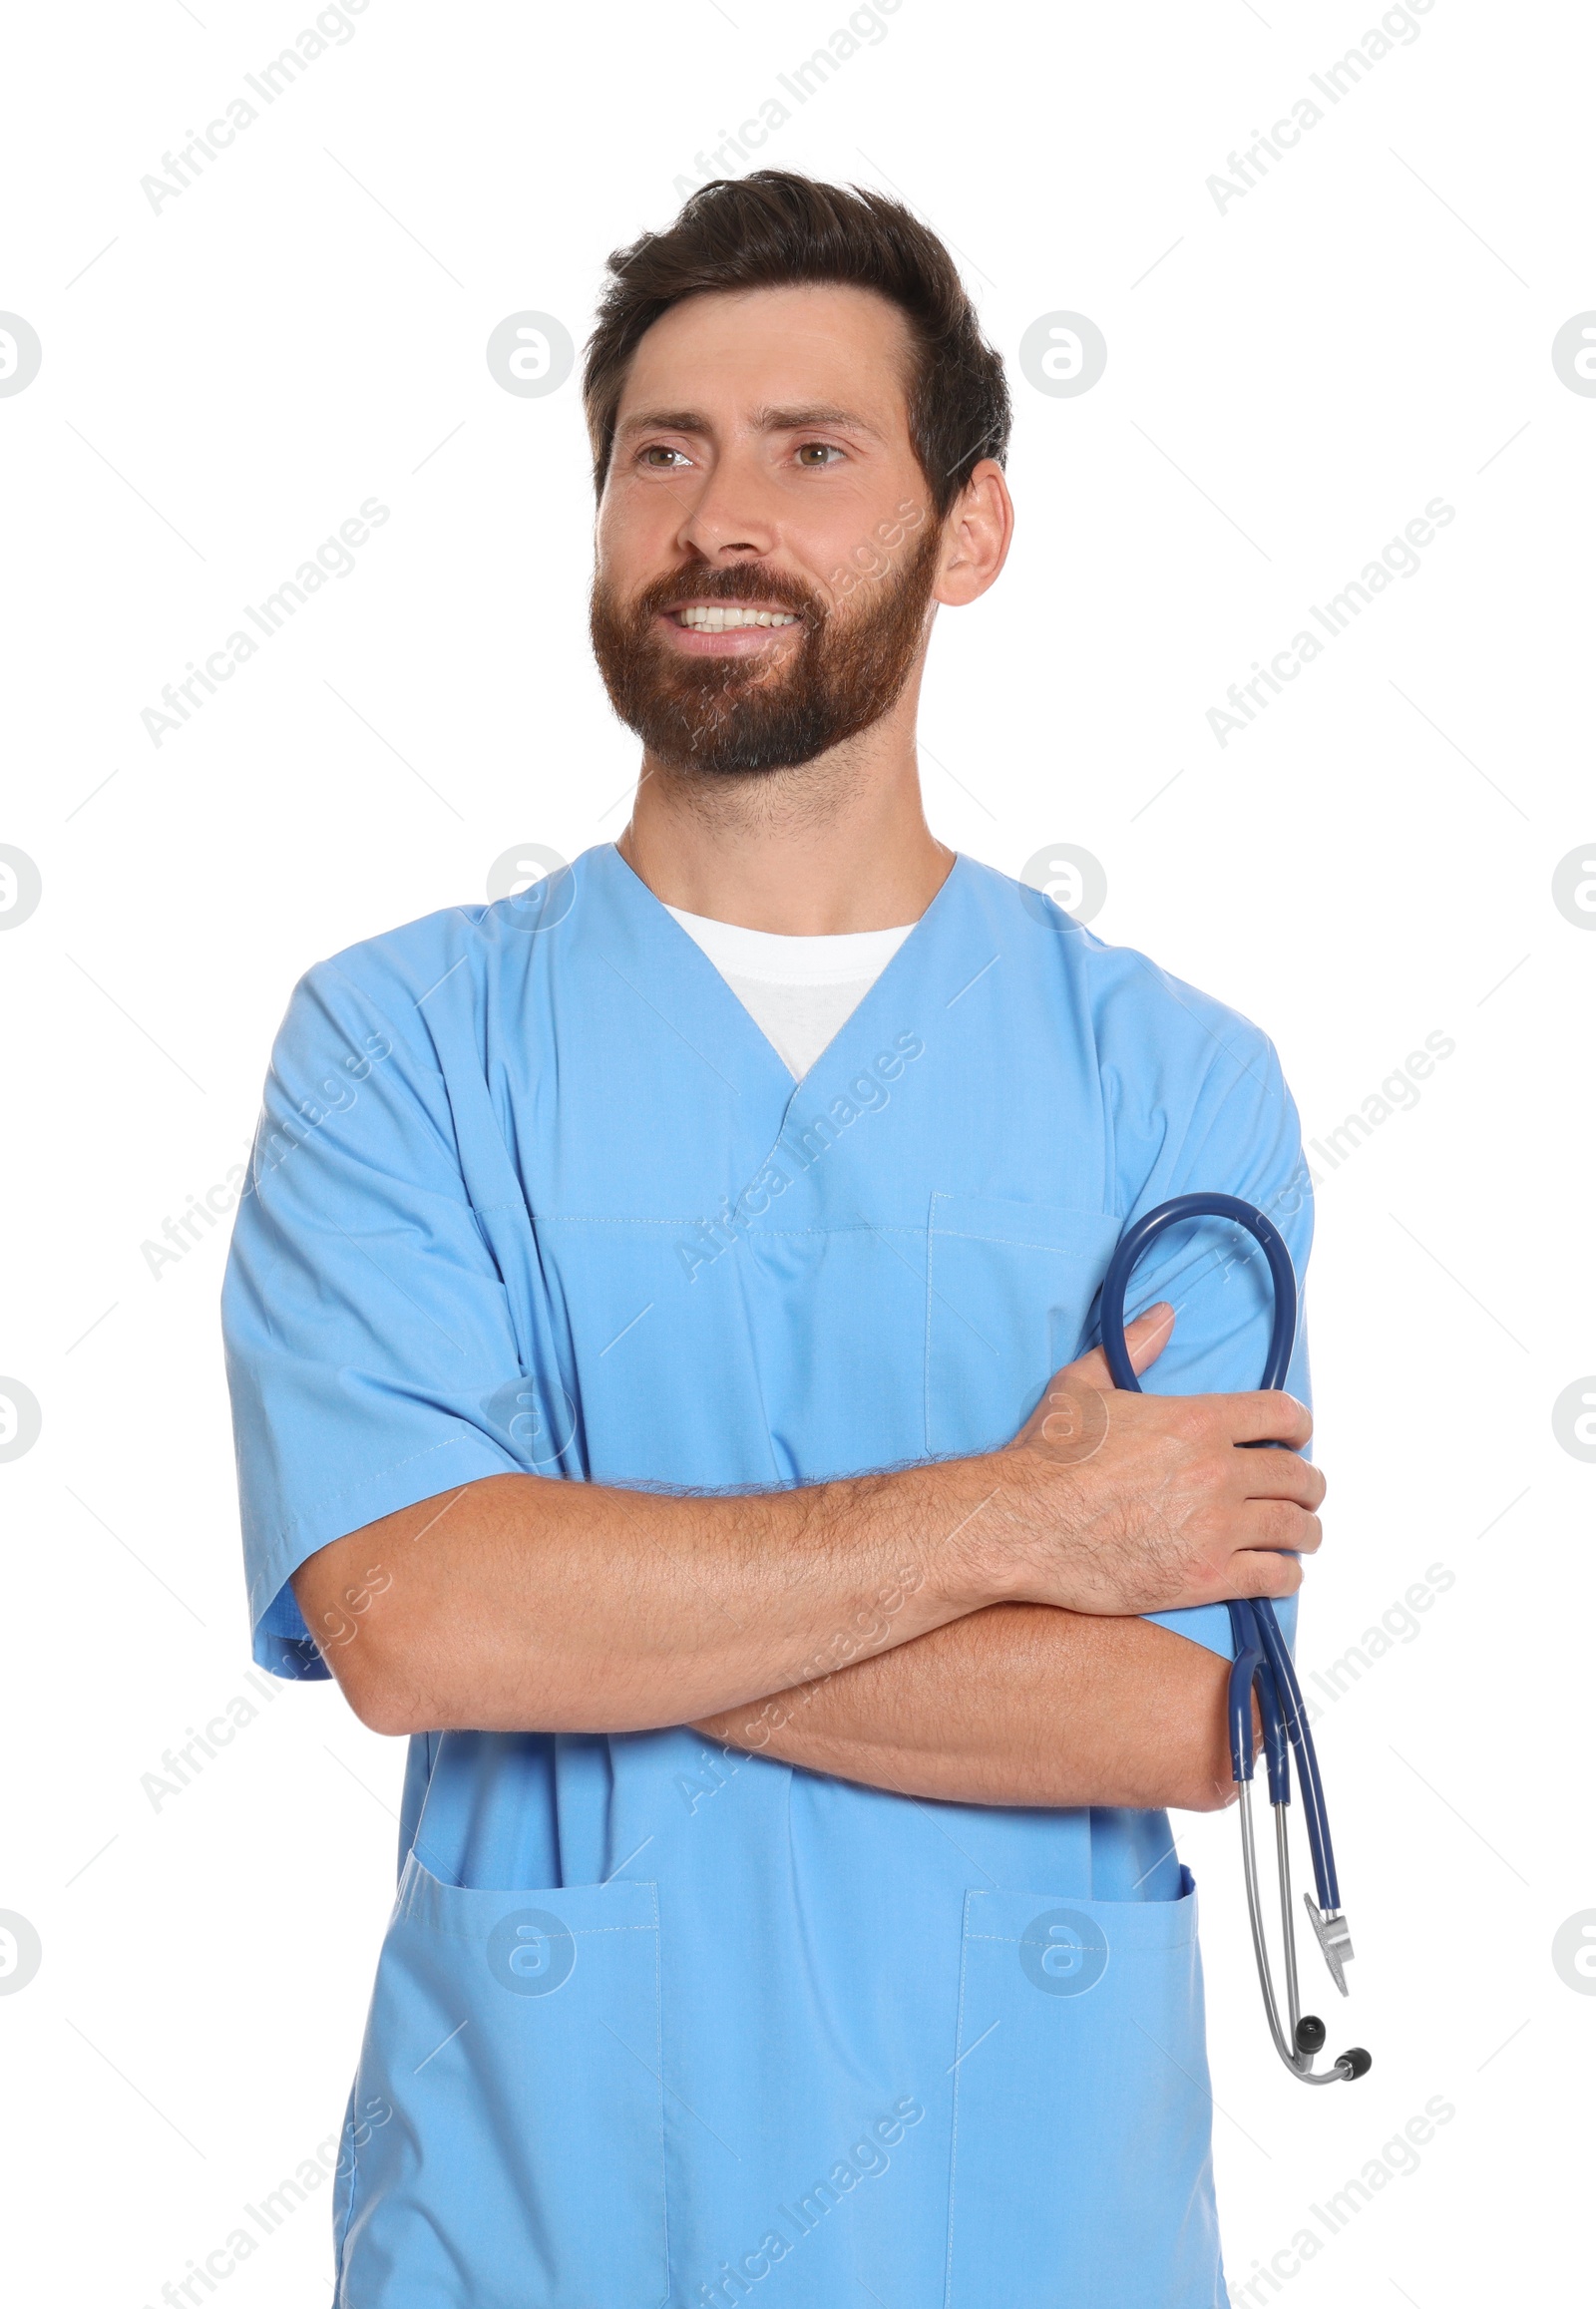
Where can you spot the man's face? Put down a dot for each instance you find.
(767, 549)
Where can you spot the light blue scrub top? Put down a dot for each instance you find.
(653, 2023)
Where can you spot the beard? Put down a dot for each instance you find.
(728, 715)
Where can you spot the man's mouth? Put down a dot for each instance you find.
(728, 616)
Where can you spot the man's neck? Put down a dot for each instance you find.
(838, 844)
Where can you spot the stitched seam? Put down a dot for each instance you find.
(1036, 1242)
(584, 1219)
(573, 1932)
(659, 2063)
(347, 2222)
(931, 1260)
(953, 2144)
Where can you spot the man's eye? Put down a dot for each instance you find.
(817, 453)
(661, 457)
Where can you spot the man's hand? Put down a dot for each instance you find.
(1113, 1503)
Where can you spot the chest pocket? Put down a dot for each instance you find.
(1009, 1291)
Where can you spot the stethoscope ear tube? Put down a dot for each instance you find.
(1288, 1693)
(1243, 1669)
(1262, 1664)
(1248, 1635)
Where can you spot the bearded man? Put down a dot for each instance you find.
(661, 1337)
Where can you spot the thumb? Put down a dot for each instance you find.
(1145, 1340)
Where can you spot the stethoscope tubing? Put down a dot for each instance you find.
(1260, 1649)
(1261, 1663)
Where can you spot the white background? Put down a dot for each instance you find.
(1290, 380)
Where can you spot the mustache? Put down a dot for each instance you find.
(743, 582)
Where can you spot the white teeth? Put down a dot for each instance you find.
(728, 618)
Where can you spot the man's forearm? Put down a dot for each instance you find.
(523, 1604)
(1020, 1704)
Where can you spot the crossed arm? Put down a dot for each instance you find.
(1020, 1704)
(996, 1602)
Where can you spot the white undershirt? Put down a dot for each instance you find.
(799, 992)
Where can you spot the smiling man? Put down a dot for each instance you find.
(661, 1340)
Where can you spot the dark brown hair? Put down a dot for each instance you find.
(776, 230)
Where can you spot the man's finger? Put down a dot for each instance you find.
(1277, 1527)
(1281, 1475)
(1257, 1572)
(1145, 1340)
(1266, 1415)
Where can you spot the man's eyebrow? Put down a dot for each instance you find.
(796, 420)
(665, 421)
(791, 420)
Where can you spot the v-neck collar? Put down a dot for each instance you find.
(682, 954)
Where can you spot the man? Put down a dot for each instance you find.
(645, 1334)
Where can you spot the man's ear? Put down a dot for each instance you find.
(976, 533)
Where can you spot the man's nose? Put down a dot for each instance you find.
(731, 515)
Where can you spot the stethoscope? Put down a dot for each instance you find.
(1262, 1664)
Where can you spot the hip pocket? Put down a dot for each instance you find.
(1081, 2173)
(514, 2043)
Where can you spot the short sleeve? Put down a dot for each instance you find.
(365, 1324)
(1233, 1131)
